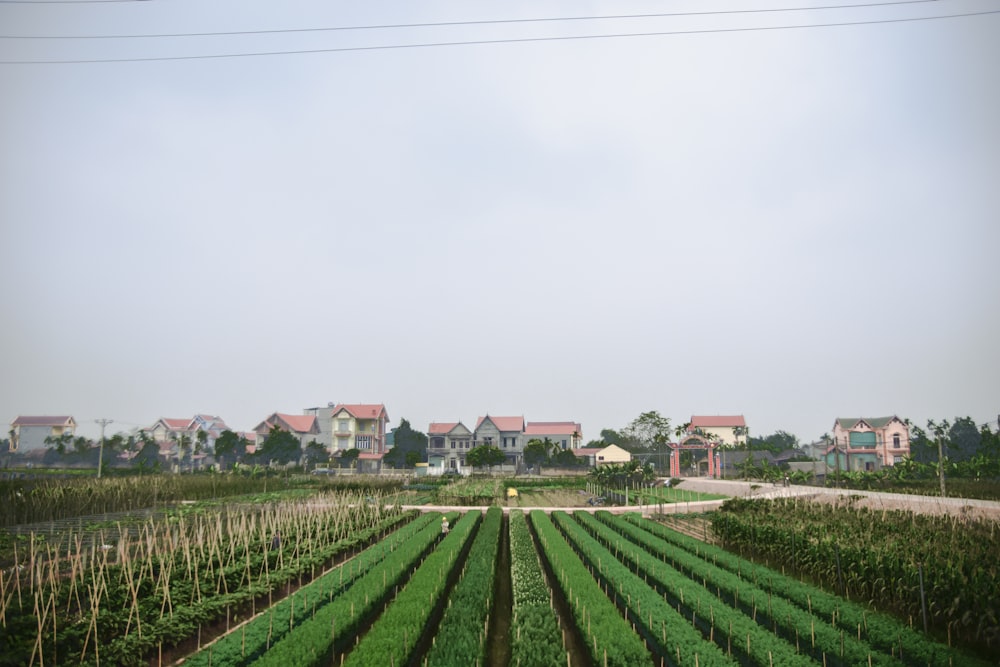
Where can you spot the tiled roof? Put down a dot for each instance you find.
(716, 421)
(441, 428)
(176, 424)
(363, 410)
(504, 424)
(296, 423)
(299, 423)
(874, 422)
(547, 428)
(368, 456)
(42, 421)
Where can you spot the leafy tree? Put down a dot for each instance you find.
(485, 455)
(537, 452)
(148, 456)
(963, 441)
(184, 445)
(406, 441)
(200, 441)
(650, 430)
(230, 448)
(316, 452)
(775, 443)
(565, 458)
(346, 458)
(59, 442)
(279, 447)
(81, 446)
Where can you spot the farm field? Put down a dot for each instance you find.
(346, 577)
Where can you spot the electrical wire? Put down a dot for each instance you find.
(492, 41)
(483, 42)
(63, 2)
(440, 24)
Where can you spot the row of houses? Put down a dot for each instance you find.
(448, 443)
(857, 443)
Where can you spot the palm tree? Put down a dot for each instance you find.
(184, 444)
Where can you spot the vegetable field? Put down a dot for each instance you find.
(341, 580)
(941, 568)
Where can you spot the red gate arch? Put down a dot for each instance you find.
(694, 442)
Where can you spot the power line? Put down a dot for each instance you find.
(62, 2)
(440, 24)
(482, 42)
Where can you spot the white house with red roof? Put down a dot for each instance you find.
(728, 430)
(505, 433)
(447, 444)
(566, 435)
(29, 433)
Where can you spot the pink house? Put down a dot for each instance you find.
(868, 443)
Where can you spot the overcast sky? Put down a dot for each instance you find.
(793, 225)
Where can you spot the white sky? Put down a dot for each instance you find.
(793, 225)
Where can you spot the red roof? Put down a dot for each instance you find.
(549, 428)
(176, 423)
(441, 428)
(42, 421)
(706, 421)
(299, 423)
(367, 456)
(504, 424)
(363, 410)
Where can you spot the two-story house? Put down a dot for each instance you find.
(447, 444)
(303, 427)
(868, 443)
(727, 430)
(29, 433)
(565, 435)
(505, 433)
(360, 426)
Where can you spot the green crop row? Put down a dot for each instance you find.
(672, 636)
(608, 636)
(891, 559)
(536, 639)
(460, 640)
(394, 636)
(810, 634)
(882, 631)
(251, 640)
(335, 624)
(730, 628)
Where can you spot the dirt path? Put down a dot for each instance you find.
(878, 500)
(961, 507)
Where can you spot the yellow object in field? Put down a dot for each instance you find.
(512, 492)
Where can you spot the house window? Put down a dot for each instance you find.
(343, 425)
(895, 440)
(453, 445)
(564, 444)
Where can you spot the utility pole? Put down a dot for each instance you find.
(100, 460)
(940, 439)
